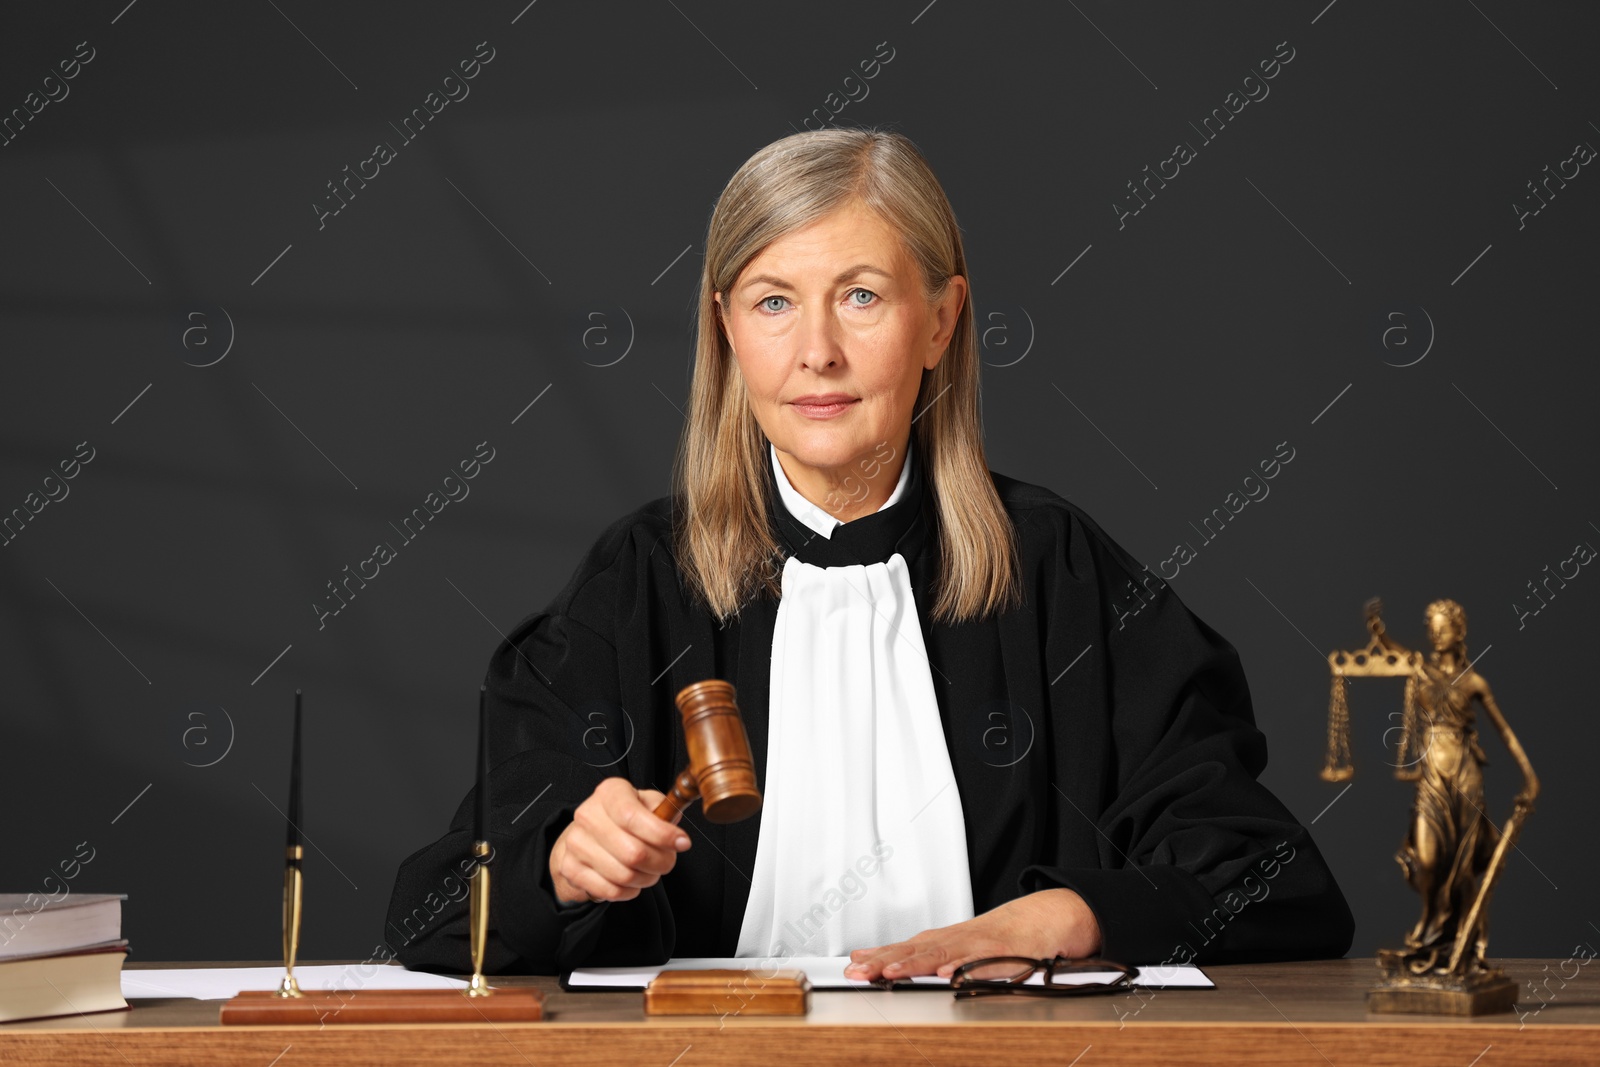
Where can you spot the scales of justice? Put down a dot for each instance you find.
(1453, 853)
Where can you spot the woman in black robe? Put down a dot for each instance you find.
(1100, 736)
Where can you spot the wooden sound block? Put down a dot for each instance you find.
(728, 991)
(320, 1007)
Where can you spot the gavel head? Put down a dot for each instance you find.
(719, 751)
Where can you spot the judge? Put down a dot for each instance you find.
(979, 725)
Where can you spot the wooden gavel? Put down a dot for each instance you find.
(720, 772)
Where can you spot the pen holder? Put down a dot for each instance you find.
(327, 1007)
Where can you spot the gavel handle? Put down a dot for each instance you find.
(684, 791)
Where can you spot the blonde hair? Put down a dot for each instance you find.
(725, 547)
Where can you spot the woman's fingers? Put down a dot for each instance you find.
(627, 810)
(596, 887)
(615, 845)
(632, 834)
(1038, 925)
(595, 856)
(869, 963)
(934, 952)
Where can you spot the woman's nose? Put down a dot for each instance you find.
(818, 340)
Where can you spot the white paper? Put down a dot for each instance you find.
(220, 983)
(827, 972)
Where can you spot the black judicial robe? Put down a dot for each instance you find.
(1101, 735)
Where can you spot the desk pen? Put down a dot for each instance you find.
(479, 914)
(293, 854)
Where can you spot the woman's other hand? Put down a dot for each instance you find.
(1040, 925)
(615, 846)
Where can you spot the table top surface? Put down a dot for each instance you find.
(1312, 992)
(1309, 1012)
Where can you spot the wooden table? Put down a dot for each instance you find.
(1283, 1013)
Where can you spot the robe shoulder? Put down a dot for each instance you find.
(1051, 529)
(1049, 526)
(605, 583)
(1056, 535)
(643, 528)
(1042, 514)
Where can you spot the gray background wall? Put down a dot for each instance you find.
(265, 394)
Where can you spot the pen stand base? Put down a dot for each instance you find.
(1483, 992)
(326, 1007)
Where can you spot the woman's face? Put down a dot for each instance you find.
(1441, 631)
(835, 308)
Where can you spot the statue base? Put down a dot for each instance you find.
(1482, 992)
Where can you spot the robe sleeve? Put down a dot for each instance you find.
(1198, 859)
(550, 683)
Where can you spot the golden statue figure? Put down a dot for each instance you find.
(1452, 854)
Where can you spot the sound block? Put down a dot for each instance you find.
(728, 991)
(327, 1007)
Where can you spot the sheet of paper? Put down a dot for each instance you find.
(220, 983)
(827, 972)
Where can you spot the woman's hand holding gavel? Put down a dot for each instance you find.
(615, 845)
(622, 839)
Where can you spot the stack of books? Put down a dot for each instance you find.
(60, 957)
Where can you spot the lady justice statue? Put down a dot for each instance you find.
(1453, 853)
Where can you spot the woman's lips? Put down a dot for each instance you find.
(822, 411)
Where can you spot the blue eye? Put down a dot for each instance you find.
(766, 302)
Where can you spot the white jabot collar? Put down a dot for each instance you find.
(813, 516)
(862, 840)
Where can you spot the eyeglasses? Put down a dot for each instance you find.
(1063, 976)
